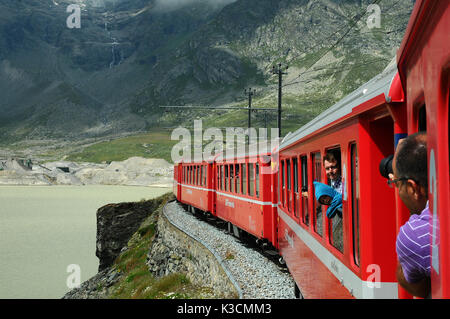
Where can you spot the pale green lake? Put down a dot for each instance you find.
(44, 229)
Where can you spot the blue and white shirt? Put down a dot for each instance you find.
(337, 185)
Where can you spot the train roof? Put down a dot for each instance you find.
(380, 84)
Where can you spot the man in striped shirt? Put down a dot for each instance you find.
(414, 238)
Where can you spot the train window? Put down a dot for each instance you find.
(354, 175)
(335, 224)
(226, 178)
(189, 174)
(223, 177)
(251, 179)
(238, 179)
(288, 183)
(317, 208)
(282, 183)
(219, 177)
(257, 179)
(244, 178)
(296, 195)
(422, 119)
(305, 210)
(200, 175)
(232, 182)
(205, 175)
(195, 174)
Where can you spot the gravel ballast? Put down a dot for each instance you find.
(256, 276)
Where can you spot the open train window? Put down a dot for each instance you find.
(205, 175)
(226, 178)
(238, 178)
(196, 175)
(251, 179)
(317, 208)
(296, 194)
(332, 165)
(354, 178)
(257, 179)
(283, 186)
(422, 125)
(189, 174)
(221, 177)
(304, 172)
(244, 178)
(288, 182)
(232, 181)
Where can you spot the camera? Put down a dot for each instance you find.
(386, 166)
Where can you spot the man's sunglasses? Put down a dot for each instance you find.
(393, 182)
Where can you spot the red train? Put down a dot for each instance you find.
(353, 255)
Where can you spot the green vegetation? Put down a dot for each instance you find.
(149, 145)
(138, 283)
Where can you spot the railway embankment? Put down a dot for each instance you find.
(143, 255)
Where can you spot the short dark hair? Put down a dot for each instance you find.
(411, 160)
(331, 156)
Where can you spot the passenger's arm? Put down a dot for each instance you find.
(421, 288)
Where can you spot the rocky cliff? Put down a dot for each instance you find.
(142, 255)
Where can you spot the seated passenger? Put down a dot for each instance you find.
(326, 195)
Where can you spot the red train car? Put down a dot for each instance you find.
(352, 255)
(424, 67)
(195, 184)
(244, 196)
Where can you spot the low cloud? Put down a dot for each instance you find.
(170, 5)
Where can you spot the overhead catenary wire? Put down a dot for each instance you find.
(359, 17)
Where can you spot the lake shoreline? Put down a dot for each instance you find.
(135, 171)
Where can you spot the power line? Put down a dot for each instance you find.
(359, 17)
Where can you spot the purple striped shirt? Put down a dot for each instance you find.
(414, 246)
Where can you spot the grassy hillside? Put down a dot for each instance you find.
(155, 144)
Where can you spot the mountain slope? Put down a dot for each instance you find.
(130, 57)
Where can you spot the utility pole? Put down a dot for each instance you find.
(279, 70)
(250, 94)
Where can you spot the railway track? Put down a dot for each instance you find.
(257, 272)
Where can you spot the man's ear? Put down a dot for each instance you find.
(415, 189)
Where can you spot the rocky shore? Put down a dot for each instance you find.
(135, 171)
(137, 239)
